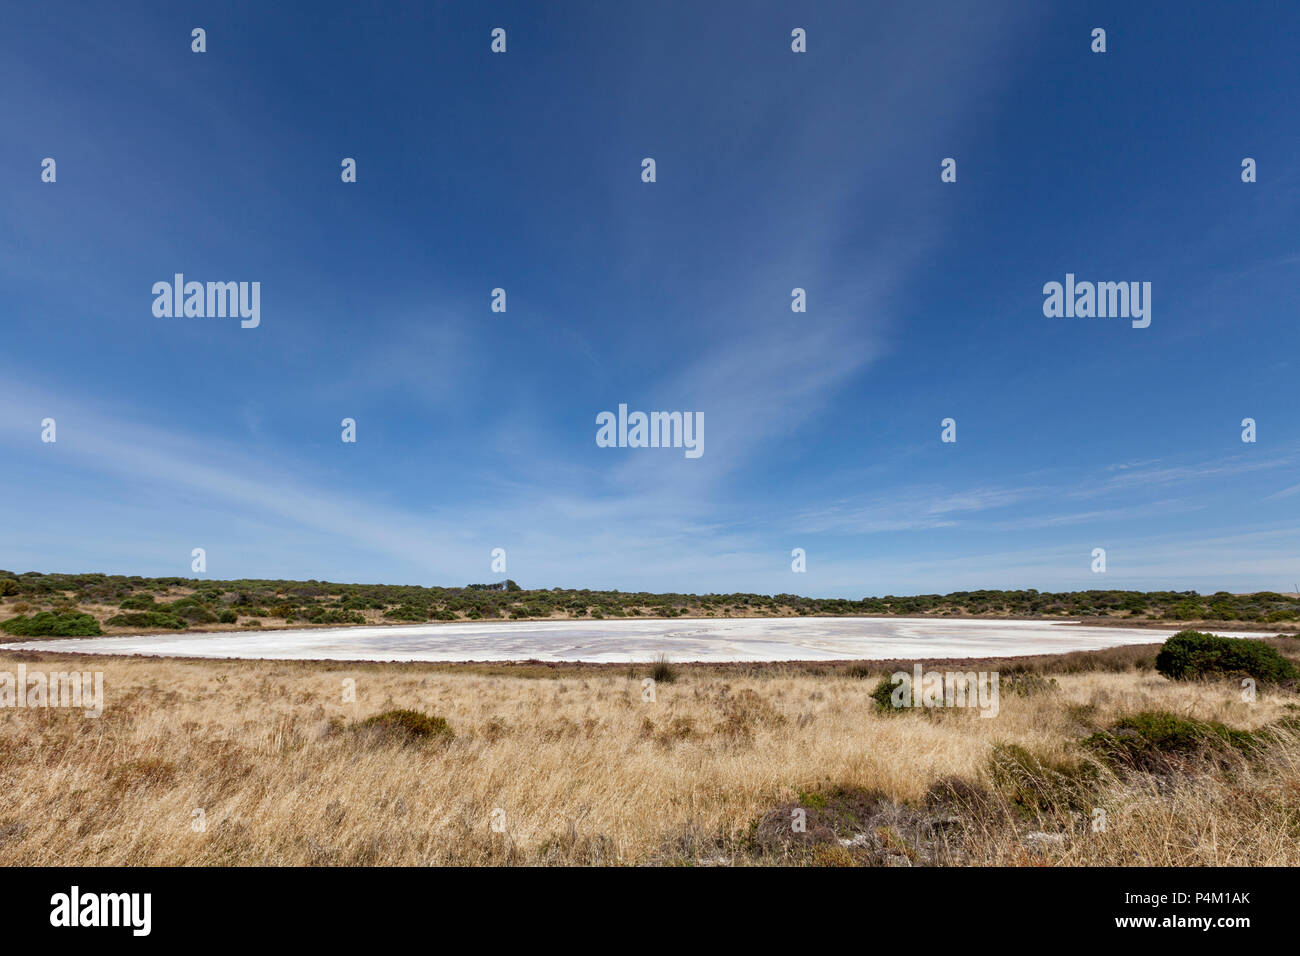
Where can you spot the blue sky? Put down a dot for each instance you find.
(775, 170)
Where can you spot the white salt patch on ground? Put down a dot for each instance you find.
(624, 641)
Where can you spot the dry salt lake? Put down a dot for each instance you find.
(626, 641)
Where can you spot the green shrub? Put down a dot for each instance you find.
(148, 619)
(408, 725)
(49, 624)
(138, 602)
(407, 612)
(227, 617)
(193, 613)
(883, 695)
(1192, 654)
(337, 617)
(1148, 740)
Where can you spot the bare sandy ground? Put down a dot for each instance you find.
(706, 639)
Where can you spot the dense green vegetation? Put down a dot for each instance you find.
(149, 619)
(883, 694)
(176, 603)
(49, 624)
(1190, 654)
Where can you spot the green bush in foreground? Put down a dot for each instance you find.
(49, 624)
(883, 695)
(410, 724)
(1149, 739)
(1192, 654)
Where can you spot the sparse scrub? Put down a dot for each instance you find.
(199, 601)
(1027, 683)
(587, 772)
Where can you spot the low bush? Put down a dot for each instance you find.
(407, 725)
(1028, 683)
(192, 613)
(148, 619)
(663, 672)
(883, 694)
(407, 612)
(1154, 739)
(49, 624)
(1192, 654)
(335, 616)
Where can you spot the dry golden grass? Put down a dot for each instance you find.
(580, 768)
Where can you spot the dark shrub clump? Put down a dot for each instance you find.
(1192, 654)
(407, 725)
(663, 672)
(49, 624)
(882, 694)
(1151, 739)
(148, 619)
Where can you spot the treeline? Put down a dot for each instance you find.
(178, 603)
